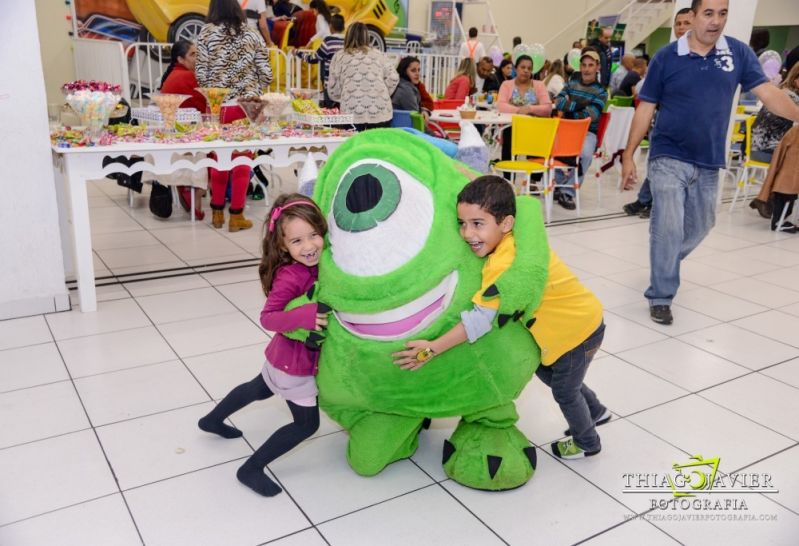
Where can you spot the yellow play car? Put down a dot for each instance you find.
(170, 20)
(375, 14)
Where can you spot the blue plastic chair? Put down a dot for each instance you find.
(402, 118)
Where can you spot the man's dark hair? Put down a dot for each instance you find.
(337, 23)
(695, 5)
(473, 32)
(517, 40)
(683, 11)
(491, 193)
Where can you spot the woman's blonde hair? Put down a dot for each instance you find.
(357, 38)
(467, 68)
(555, 68)
(790, 80)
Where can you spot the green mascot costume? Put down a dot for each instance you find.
(396, 269)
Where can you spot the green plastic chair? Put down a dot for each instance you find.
(417, 121)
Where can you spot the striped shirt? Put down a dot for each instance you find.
(579, 101)
(323, 55)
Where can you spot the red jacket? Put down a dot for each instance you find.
(183, 81)
(426, 99)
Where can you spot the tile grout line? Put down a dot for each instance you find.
(99, 443)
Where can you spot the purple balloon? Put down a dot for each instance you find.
(771, 68)
(496, 54)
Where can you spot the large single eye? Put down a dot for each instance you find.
(380, 219)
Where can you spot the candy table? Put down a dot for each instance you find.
(74, 167)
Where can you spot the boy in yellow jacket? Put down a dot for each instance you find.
(567, 325)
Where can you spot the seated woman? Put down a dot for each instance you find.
(556, 78)
(768, 131)
(462, 83)
(411, 93)
(505, 71)
(522, 95)
(179, 78)
(768, 128)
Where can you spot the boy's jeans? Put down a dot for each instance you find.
(683, 212)
(645, 193)
(586, 156)
(579, 404)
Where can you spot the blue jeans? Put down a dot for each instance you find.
(586, 156)
(683, 212)
(645, 193)
(579, 404)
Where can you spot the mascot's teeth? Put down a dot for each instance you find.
(405, 320)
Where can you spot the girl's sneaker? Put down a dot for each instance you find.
(567, 449)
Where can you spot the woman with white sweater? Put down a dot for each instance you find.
(362, 79)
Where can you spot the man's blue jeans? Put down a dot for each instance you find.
(645, 193)
(683, 212)
(586, 156)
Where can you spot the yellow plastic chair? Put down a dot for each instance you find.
(532, 138)
(749, 164)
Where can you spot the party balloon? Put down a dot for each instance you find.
(771, 62)
(534, 51)
(496, 54)
(573, 58)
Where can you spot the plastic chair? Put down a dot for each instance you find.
(447, 104)
(417, 121)
(531, 137)
(451, 131)
(568, 144)
(744, 181)
(401, 118)
(623, 102)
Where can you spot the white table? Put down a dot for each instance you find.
(75, 167)
(483, 117)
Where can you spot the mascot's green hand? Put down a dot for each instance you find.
(312, 339)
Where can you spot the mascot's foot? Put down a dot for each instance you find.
(489, 458)
(379, 439)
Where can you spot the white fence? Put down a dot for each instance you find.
(139, 67)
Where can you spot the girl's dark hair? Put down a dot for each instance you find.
(521, 58)
(491, 193)
(504, 63)
(179, 49)
(402, 67)
(321, 7)
(273, 252)
(227, 13)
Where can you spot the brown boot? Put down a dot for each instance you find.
(218, 218)
(237, 222)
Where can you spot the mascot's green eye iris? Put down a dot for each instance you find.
(368, 194)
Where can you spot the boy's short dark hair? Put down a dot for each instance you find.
(473, 32)
(491, 193)
(337, 23)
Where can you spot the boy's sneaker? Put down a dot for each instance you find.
(567, 449)
(599, 421)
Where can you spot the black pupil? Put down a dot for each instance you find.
(364, 194)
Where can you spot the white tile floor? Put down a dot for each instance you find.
(98, 443)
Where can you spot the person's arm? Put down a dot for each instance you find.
(261, 56)
(777, 102)
(274, 317)
(474, 324)
(263, 28)
(390, 74)
(544, 106)
(333, 85)
(642, 120)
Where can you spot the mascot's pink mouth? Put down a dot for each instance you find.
(405, 320)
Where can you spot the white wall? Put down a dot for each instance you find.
(777, 13)
(32, 274)
(56, 46)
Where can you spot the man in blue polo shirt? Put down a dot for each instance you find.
(692, 82)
